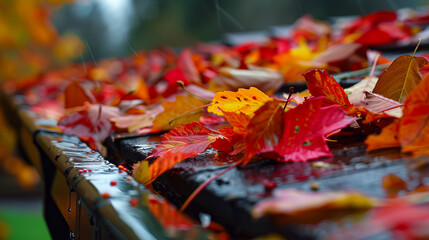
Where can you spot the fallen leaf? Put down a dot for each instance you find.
(400, 78)
(379, 104)
(387, 138)
(178, 112)
(414, 126)
(76, 96)
(305, 128)
(392, 184)
(293, 202)
(187, 138)
(335, 53)
(245, 101)
(146, 174)
(138, 121)
(261, 78)
(264, 129)
(319, 83)
(356, 92)
(91, 123)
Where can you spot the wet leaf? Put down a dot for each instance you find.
(392, 184)
(379, 104)
(261, 78)
(76, 96)
(319, 83)
(293, 202)
(178, 112)
(187, 138)
(145, 173)
(387, 138)
(305, 128)
(264, 129)
(400, 78)
(245, 101)
(414, 125)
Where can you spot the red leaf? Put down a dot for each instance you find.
(264, 129)
(377, 103)
(191, 137)
(76, 96)
(305, 128)
(319, 83)
(90, 123)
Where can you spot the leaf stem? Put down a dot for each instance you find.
(408, 70)
(182, 85)
(202, 186)
(192, 111)
(291, 90)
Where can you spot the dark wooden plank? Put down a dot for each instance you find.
(230, 198)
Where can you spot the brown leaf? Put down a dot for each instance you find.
(76, 96)
(400, 78)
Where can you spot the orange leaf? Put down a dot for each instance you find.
(76, 96)
(386, 139)
(414, 127)
(145, 173)
(245, 101)
(392, 184)
(264, 129)
(319, 83)
(400, 78)
(176, 111)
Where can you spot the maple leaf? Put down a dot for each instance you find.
(245, 101)
(319, 83)
(400, 78)
(305, 128)
(264, 129)
(293, 202)
(191, 137)
(145, 173)
(176, 111)
(387, 138)
(414, 125)
(76, 96)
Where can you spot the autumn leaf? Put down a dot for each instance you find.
(356, 93)
(145, 173)
(400, 78)
(178, 112)
(191, 137)
(261, 78)
(133, 122)
(305, 128)
(91, 123)
(387, 138)
(414, 125)
(264, 129)
(379, 104)
(76, 96)
(392, 184)
(293, 202)
(319, 83)
(245, 101)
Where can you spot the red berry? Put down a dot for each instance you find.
(129, 178)
(134, 202)
(113, 183)
(80, 171)
(105, 195)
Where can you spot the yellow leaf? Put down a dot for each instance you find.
(245, 101)
(178, 112)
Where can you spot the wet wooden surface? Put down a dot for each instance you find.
(230, 198)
